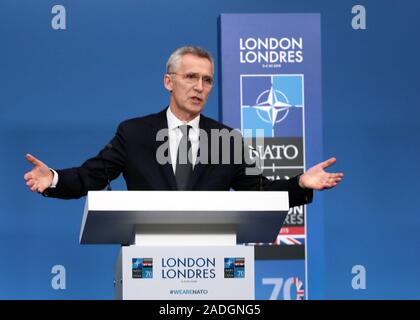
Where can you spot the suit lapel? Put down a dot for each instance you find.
(167, 171)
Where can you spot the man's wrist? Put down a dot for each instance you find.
(300, 182)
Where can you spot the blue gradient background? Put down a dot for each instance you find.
(63, 93)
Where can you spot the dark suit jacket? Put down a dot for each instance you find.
(133, 153)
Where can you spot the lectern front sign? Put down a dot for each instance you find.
(188, 273)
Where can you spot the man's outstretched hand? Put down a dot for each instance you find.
(318, 179)
(40, 177)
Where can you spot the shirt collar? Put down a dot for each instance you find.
(174, 122)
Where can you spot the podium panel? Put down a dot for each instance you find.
(185, 273)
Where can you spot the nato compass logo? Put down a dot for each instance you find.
(142, 268)
(234, 267)
(273, 104)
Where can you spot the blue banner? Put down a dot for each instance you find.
(270, 66)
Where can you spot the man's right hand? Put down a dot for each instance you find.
(40, 177)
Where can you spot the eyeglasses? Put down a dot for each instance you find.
(194, 78)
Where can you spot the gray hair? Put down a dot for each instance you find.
(176, 56)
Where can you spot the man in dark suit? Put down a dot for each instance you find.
(136, 149)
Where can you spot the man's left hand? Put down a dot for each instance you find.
(318, 179)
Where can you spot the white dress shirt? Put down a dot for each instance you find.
(175, 135)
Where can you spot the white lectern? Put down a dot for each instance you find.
(183, 244)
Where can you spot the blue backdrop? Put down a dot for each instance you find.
(63, 92)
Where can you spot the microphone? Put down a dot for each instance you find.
(107, 148)
(258, 164)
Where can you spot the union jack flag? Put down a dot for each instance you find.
(300, 293)
(290, 239)
(291, 236)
